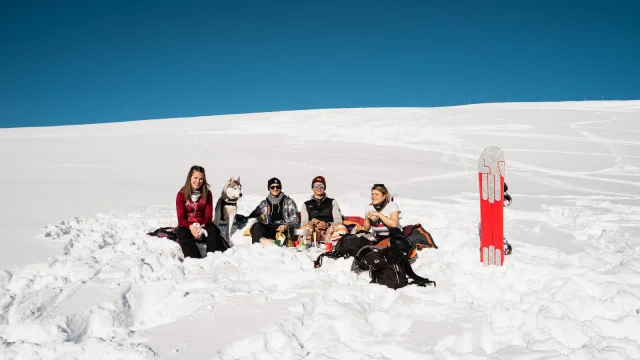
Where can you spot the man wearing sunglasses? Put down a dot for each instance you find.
(277, 213)
(323, 213)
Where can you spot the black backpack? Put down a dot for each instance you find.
(390, 266)
(387, 265)
(347, 246)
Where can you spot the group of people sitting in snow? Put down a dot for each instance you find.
(277, 213)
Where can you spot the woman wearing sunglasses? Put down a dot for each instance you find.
(382, 214)
(277, 213)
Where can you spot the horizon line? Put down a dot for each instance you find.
(324, 109)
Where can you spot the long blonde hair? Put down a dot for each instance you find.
(187, 190)
(383, 189)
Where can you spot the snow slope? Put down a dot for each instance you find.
(79, 278)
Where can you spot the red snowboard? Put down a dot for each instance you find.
(491, 171)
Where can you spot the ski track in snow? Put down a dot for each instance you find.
(570, 290)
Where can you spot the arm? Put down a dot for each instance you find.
(367, 225)
(180, 210)
(391, 221)
(291, 214)
(208, 210)
(304, 216)
(337, 214)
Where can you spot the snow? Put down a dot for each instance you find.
(80, 279)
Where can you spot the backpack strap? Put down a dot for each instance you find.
(417, 280)
(330, 254)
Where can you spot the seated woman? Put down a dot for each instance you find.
(382, 214)
(321, 213)
(194, 207)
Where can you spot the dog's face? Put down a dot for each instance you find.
(233, 189)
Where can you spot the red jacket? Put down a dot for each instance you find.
(190, 212)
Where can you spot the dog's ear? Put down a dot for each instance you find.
(238, 180)
(230, 180)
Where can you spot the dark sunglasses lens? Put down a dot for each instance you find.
(275, 187)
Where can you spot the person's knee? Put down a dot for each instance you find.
(256, 229)
(183, 233)
(181, 230)
(340, 228)
(212, 229)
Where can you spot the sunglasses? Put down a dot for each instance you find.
(380, 185)
(318, 186)
(273, 187)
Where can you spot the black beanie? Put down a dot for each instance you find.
(274, 181)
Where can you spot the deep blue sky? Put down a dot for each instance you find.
(71, 62)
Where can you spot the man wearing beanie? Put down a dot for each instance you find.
(276, 213)
(323, 213)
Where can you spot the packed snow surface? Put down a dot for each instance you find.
(80, 279)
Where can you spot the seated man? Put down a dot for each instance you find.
(276, 213)
(322, 214)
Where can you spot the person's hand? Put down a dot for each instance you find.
(321, 225)
(373, 215)
(194, 231)
(314, 221)
(281, 228)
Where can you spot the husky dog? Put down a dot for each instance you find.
(227, 206)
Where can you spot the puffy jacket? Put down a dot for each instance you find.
(189, 212)
(290, 213)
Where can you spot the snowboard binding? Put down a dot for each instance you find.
(507, 248)
(507, 197)
(507, 201)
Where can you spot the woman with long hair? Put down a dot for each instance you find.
(382, 214)
(194, 207)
